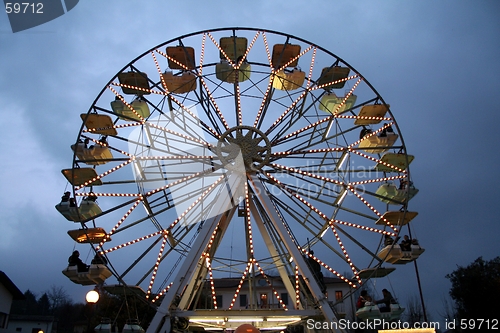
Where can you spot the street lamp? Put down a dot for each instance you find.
(92, 297)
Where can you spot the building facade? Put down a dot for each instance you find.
(8, 293)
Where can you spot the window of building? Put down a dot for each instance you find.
(338, 295)
(243, 301)
(284, 298)
(263, 300)
(3, 319)
(19, 329)
(218, 298)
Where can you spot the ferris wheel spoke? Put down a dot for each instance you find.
(308, 174)
(141, 255)
(264, 106)
(372, 208)
(155, 270)
(373, 256)
(298, 114)
(353, 268)
(300, 214)
(310, 130)
(317, 211)
(295, 116)
(207, 90)
(326, 266)
(291, 108)
(320, 239)
(201, 98)
(379, 161)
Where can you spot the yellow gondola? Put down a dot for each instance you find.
(179, 84)
(99, 123)
(376, 144)
(285, 54)
(286, 80)
(181, 57)
(333, 104)
(224, 71)
(390, 194)
(87, 210)
(397, 218)
(89, 235)
(138, 108)
(330, 76)
(375, 112)
(93, 155)
(134, 83)
(234, 47)
(398, 160)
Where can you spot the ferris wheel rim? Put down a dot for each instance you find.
(237, 127)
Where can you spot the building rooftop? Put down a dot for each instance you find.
(10, 286)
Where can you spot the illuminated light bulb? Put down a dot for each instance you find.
(92, 297)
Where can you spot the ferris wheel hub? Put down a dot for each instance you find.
(244, 144)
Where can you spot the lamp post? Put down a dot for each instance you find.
(92, 297)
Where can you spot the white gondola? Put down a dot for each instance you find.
(285, 80)
(94, 155)
(132, 326)
(395, 255)
(138, 109)
(378, 144)
(333, 104)
(87, 210)
(104, 326)
(96, 274)
(373, 312)
(390, 194)
(224, 71)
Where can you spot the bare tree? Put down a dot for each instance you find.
(448, 313)
(57, 297)
(414, 312)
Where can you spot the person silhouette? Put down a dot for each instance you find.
(74, 260)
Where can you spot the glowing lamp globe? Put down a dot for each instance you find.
(92, 297)
(246, 328)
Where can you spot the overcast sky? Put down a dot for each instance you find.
(435, 62)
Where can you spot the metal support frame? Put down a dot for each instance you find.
(161, 320)
(309, 279)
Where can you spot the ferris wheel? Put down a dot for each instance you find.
(245, 155)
